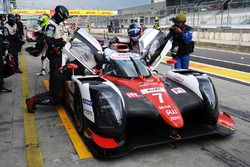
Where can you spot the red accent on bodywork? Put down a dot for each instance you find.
(101, 42)
(102, 141)
(171, 61)
(72, 66)
(161, 100)
(226, 119)
(120, 47)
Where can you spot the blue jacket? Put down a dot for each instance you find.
(182, 40)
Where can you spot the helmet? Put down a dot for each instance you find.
(181, 17)
(3, 17)
(11, 19)
(156, 19)
(18, 16)
(61, 14)
(43, 20)
(134, 30)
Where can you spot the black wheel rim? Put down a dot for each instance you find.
(78, 113)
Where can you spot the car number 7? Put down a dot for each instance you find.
(160, 97)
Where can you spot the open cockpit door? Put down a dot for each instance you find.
(154, 46)
(85, 48)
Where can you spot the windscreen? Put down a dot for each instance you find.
(127, 68)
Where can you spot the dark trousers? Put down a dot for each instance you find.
(14, 49)
(1, 63)
(56, 83)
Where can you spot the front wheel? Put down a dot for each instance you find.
(78, 111)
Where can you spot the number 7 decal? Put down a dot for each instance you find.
(160, 97)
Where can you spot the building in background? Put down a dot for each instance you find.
(12, 4)
(7, 5)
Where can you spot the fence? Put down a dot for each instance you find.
(213, 14)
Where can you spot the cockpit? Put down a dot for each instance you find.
(125, 65)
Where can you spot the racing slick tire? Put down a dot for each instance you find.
(78, 111)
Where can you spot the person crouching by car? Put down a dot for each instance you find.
(55, 43)
(181, 34)
(11, 35)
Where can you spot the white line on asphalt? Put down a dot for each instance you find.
(224, 61)
(228, 51)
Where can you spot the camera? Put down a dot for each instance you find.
(173, 19)
(173, 27)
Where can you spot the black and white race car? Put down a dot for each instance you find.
(121, 105)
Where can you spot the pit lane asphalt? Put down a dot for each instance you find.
(57, 149)
(227, 59)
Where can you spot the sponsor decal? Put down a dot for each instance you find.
(178, 78)
(166, 107)
(87, 102)
(45, 101)
(171, 112)
(178, 90)
(85, 57)
(152, 90)
(87, 112)
(146, 84)
(174, 118)
(50, 31)
(32, 12)
(120, 57)
(133, 95)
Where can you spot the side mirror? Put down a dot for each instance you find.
(72, 66)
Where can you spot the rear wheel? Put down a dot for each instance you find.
(78, 111)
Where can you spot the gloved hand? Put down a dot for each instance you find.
(173, 55)
(63, 69)
(56, 50)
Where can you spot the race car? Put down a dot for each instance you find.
(120, 104)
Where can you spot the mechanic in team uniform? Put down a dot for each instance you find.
(2, 21)
(40, 47)
(10, 34)
(43, 21)
(20, 32)
(55, 43)
(181, 34)
(156, 24)
(2, 88)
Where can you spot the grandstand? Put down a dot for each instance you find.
(207, 14)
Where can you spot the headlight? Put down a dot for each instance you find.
(109, 113)
(209, 92)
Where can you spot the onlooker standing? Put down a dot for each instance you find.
(156, 24)
(2, 21)
(2, 88)
(19, 31)
(10, 34)
(182, 40)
